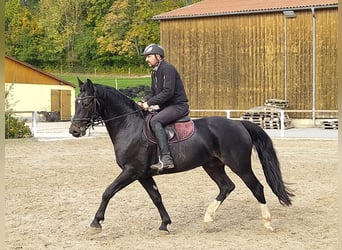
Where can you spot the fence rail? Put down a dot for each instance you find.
(34, 119)
(228, 113)
(282, 114)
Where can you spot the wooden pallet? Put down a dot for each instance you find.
(277, 103)
(272, 126)
(330, 124)
(267, 117)
(277, 125)
(255, 120)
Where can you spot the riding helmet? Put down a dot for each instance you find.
(153, 49)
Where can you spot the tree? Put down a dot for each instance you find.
(128, 27)
(23, 31)
(83, 33)
(62, 21)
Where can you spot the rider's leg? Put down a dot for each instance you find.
(166, 160)
(166, 116)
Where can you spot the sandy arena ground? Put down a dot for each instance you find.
(53, 189)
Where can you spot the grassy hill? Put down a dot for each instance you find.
(119, 82)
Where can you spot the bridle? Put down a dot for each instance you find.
(95, 118)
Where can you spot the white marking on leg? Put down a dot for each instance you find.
(266, 216)
(210, 212)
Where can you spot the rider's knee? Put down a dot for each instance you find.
(156, 125)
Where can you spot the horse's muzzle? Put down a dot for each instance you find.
(77, 131)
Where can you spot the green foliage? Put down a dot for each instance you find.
(115, 82)
(16, 128)
(23, 32)
(77, 36)
(128, 27)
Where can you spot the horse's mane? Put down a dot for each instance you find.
(109, 92)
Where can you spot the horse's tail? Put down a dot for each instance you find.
(269, 162)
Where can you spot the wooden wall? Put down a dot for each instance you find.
(18, 73)
(237, 61)
(35, 90)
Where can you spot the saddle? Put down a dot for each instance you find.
(178, 131)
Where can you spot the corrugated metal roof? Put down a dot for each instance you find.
(230, 7)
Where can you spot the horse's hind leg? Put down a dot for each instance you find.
(151, 188)
(249, 178)
(226, 186)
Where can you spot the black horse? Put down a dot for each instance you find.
(216, 142)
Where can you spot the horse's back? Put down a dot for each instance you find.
(222, 127)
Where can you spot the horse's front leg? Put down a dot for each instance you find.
(152, 189)
(126, 177)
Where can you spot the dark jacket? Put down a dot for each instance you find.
(167, 87)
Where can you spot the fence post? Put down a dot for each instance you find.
(228, 114)
(34, 123)
(282, 123)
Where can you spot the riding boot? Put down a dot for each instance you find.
(165, 159)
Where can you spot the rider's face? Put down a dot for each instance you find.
(152, 60)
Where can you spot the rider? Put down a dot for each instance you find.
(167, 91)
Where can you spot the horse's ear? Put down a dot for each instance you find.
(90, 85)
(89, 81)
(80, 83)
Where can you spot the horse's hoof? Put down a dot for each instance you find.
(267, 225)
(207, 227)
(94, 230)
(164, 230)
(96, 225)
(269, 228)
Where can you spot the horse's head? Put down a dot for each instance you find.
(85, 109)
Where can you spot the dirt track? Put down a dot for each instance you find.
(53, 190)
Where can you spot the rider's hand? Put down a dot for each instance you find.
(145, 105)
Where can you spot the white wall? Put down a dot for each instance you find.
(35, 97)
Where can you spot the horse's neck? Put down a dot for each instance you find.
(113, 107)
(120, 115)
(124, 124)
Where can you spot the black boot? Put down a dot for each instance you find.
(165, 160)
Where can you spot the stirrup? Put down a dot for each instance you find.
(160, 165)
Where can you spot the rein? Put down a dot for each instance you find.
(101, 121)
(95, 118)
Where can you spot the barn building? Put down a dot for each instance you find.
(34, 90)
(236, 54)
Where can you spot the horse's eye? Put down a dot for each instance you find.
(85, 104)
